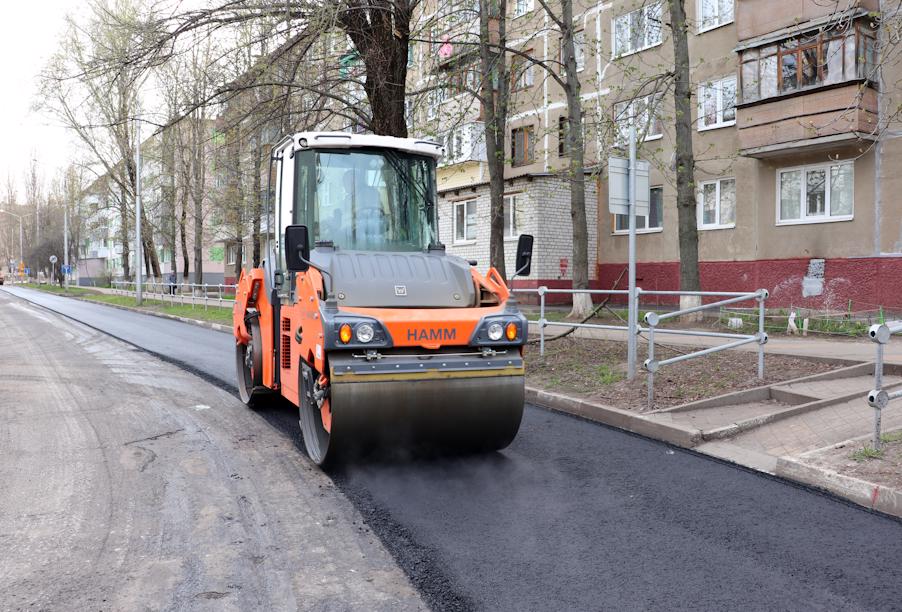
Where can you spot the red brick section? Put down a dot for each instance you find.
(869, 282)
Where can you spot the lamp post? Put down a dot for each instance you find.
(21, 232)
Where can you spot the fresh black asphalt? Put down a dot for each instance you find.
(576, 516)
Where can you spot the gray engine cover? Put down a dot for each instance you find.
(397, 280)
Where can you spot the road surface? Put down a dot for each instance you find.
(579, 516)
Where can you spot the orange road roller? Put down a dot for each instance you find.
(360, 317)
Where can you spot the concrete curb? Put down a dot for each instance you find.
(685, 437)
(226, 329)
(862, 492)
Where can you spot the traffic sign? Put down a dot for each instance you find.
(619, 186)
(53, 259)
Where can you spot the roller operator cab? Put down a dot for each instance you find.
(360, 318)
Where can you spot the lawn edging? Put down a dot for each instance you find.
(864, 493)
(685, 437)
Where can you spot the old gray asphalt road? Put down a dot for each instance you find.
(578, 516)
(127, 483)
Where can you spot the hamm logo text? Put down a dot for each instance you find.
(431, 334)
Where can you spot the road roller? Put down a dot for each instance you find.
(360, 318)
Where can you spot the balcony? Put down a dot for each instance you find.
(465, 143)
(813, 89)
(810, 121)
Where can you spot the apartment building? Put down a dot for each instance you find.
(795, 136)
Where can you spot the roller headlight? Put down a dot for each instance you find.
(495, 331)
(365, 333)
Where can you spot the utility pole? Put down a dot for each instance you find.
(139, 245)
(66, 246)
(633, 309)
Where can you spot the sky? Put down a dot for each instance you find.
(28, 34)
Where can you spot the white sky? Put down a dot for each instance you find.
(28, 34)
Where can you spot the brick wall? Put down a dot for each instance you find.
(543, 210)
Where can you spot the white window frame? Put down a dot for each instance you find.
(512, 201)
(231, 255)
(579, 52)
(718, 22)
(718, 88)
(699, 205)
(648, 9)
(804, 219)
(630, 111)
(466, 239)
(521, 7)
(646, 229)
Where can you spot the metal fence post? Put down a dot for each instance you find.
(878, 384)
(650, 372)
(542, 290)
(761, 336)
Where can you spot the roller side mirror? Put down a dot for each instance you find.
(297, 248)
(524, 255)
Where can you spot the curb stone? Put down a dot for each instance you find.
(226, 329)
(862, 492)
(685, 437)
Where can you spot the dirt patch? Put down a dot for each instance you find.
(596, 370)
(860, 461)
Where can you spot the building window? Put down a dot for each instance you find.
(454, 144)
(232, 255)
(465, 221)
(835, 55)
(521, 73)
(579, 50)
(655, 219)
(435, 97)
(510, 217)
(717, 204)
(522, 146)
(637, 30)
(644, 112)
(521, 7)
(714, 13)
(814, 194)
(717, 104)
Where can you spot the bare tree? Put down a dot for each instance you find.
(99, 105)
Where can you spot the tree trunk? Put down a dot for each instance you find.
(495, 94)
(183, 233)
(685, 159)
(123, 234)
(380, 31)
(582, 302)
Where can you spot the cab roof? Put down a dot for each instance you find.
(345, 140)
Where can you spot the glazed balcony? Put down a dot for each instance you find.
(814, 89)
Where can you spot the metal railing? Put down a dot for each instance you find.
(878, 397)
(653, 319)
(181, 293)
